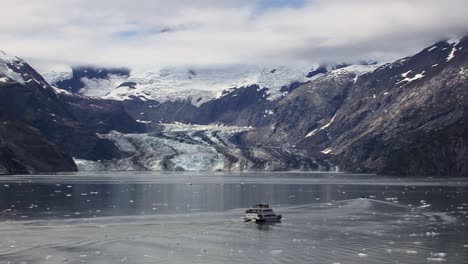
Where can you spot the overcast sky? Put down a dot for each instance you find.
(137, 33)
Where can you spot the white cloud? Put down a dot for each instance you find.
(128, 33)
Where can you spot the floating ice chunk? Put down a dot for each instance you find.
(436, 259)
(432, 233)
(411, 252)
(363, 255)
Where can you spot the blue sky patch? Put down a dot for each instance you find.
(267, 4)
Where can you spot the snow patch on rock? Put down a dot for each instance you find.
(412, 79)
(6, 62)
(452, 54)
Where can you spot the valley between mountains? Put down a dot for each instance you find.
(407, 117)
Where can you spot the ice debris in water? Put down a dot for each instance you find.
(432, 233)
(437, 257)
(424, 204)
(362, 255)
(276, 252)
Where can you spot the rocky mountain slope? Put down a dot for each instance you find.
(402, 118)
(24, 150)
(405, 118)
(233, 95)
(40, 115)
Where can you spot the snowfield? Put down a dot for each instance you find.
(196, 84)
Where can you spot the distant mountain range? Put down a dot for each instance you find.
(196, 84)
(407, 117)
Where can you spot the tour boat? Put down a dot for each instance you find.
(261, 213)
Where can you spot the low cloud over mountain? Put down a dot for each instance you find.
(137, 34)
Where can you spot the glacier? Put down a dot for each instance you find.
(182, 147)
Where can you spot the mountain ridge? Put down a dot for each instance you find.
(407, 117)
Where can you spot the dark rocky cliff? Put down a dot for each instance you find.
(40, 115)
(405, 118)
(24, 150)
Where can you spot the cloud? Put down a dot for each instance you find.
(205, 32)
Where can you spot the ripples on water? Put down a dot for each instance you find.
(196, 219)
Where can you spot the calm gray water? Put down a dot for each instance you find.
(196, 218)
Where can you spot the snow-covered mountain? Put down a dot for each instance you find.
(42, 128)
(407, 117)
(196, 84)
